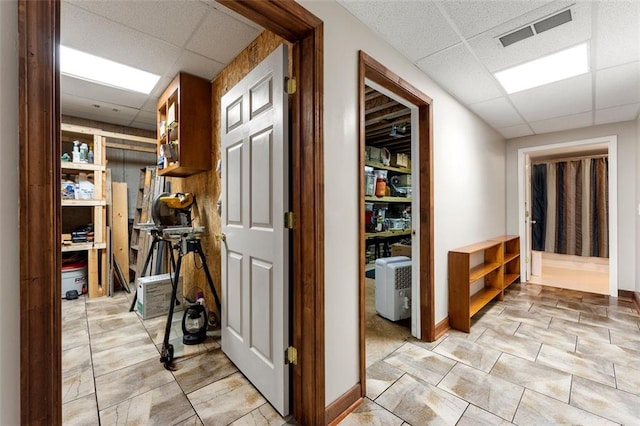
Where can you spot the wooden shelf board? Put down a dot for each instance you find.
(82, 246)
(378, 165)
(83, 203)
(482, 270)
(504, 238)
(481, 298)
(508, 257)
(388, 199)
(386, 234)
(474, 248)
(67, 165)
(510, 279)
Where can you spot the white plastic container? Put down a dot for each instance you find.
(393, 287)
(74, 277)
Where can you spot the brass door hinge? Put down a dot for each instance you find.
(290, 85)
(291, 356)
(289, 220)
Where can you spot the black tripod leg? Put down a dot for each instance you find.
(209, 279)
(144, 270)
(166, 356)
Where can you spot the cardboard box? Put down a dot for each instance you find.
(154, 296)
(399, 160)
(373, 154)
(400, 250)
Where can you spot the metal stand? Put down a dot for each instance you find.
(187, 244)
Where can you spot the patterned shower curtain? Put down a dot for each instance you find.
(571, 207)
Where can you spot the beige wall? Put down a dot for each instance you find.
(627, 135)
(9, 247)
(469, 182)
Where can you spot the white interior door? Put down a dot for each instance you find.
(528, 208)
(255, 297)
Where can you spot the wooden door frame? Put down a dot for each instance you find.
(39, 139)
(369, 68)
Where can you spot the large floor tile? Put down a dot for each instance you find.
(550, 336)
(370, 413)
(165, 405)
(124, 356)
(421, 363)
(73, 310)
(474, 416)
(80, 412)
(226, 400)
(77, 385)
(515, 345)
(197, 372)
(467, 352)
(191, 421)
(625, 339)
(580, 329)
(582, 307)
(617, 323)
(525, 317)
(595, 349)
(555, 312)
(264, 415)
(113, 322)
(494, 322)
(129, 335)
(380, 376)
(616, 405)
(578, 365)
(75, 360)
(74, 334)
(628, 378)
(488, 392)
(180, 350)
(537, 409)
(114, 387)
(531, 375)
(419, 403)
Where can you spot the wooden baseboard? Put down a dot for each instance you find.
(636, 300)
(441, 328)
(345, 404)
(633, 295)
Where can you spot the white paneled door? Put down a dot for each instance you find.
(255, 289)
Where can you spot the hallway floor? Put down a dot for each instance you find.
(542, 356)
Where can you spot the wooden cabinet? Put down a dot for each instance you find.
(496, 262)
(184, 126)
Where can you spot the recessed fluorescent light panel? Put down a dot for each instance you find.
(548, 69)
(85, 66)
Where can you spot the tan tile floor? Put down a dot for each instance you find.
(541, 356)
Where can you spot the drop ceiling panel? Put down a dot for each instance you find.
(617, 40)
(457, 71)
(146, 117)
(197, 65)
(168, 20)
(163, 83)
(615, 114)
(143, 125)
(151, 105)
(429, 32)
(544, 102)
(618, 86)
(557, 124)
(83, 108)
(77, 87)
(473, 18)
(88, 32)
(498, 113)
(516, 131)
(496, 57)
(220, 38)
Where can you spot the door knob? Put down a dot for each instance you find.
(221, 237)
(533, 222)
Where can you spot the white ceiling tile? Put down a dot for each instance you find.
(83, 108)
(566, 97)
(140, 125)
(516, 131)
(618, 85)
(197, 65)
(429, 32)
(616, 114)
(93, 34)
(220, 38)
(497, 112)
(457, 71)
(496, 57)
(617, 37)
(151, 105)
(79, 87)
(146, 117)
(473, 18)
(162, 85)
(557, 124)
(234, 15)
(168, 20)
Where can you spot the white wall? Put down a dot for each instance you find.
(469, 182)
(627, 133)
(9, 245)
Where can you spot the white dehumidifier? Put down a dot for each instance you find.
(393, 287)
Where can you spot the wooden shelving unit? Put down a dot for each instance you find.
(184, 120)
(498, 264)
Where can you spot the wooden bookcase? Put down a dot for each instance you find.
(497, 262)
(184, 123)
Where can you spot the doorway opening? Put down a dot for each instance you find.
(568, 215)
(413, 112)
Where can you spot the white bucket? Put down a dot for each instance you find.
(73, 278)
